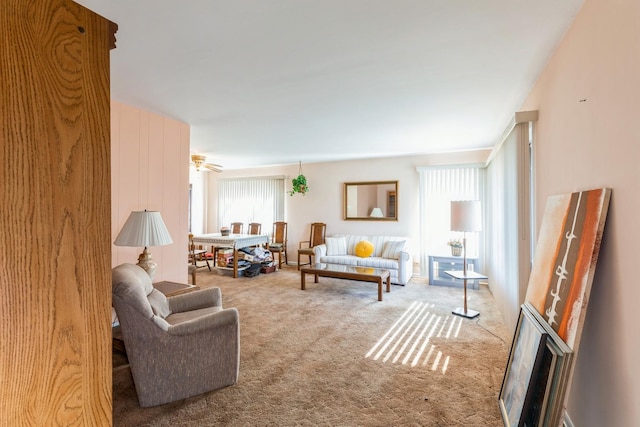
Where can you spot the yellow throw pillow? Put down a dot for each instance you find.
(364, 249)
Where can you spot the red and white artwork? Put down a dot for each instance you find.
(565, 259)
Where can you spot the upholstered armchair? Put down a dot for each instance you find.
(179, 346)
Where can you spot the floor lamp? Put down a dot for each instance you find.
(466, 217)
(143, 229)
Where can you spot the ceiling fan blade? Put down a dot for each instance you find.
(212, 167)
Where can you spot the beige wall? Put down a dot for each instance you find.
(588, 137)
(150, 170)
(323, 202)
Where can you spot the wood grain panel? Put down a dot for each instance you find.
(55, 364)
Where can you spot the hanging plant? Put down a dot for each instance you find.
(299, 183)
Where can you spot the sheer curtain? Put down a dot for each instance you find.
(197, 205)
(510, 235)
(248, 200)
(438, 187)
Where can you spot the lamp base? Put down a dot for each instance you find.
(146, 262)
(469, 314)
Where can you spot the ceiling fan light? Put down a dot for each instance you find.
(198, 160)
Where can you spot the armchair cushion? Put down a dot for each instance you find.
(208, 318)
(159, 303)
(195, 300)
(136, 296)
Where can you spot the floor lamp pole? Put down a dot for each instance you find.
(464, 267)
(464, 311)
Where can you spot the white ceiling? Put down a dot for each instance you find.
(266, 82)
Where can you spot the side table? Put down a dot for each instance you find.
(438, 264)
(170, 289)
(469, 275)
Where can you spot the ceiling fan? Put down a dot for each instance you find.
(199, 161)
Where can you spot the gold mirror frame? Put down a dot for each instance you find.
(361, 198)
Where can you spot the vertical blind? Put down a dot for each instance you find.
(438, 187)
(249, 200)
(508, 243)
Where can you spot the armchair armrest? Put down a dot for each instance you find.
(194, 300)
(227, 316)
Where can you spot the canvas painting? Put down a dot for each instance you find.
(565, 259)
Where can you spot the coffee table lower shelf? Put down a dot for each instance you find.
(348, 272)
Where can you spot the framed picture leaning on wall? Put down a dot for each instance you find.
(527, 349)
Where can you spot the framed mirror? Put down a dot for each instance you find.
(371, 201)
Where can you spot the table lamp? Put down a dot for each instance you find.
(466, 217)
(144, 228)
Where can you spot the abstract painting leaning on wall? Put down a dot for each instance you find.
(565, 260)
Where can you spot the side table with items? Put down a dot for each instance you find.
(439, 264)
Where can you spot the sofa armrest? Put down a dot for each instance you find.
(404, 256)
(228, 316)
(210, 297)
(319, 251)
(405, 267)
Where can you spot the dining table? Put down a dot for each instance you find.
(232, 241)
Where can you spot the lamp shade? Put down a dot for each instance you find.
(376, 213)
(143, 228)
(466, 215)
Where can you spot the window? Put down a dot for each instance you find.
(438, 187)
(246, 200)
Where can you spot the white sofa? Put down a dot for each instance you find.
(389, 253)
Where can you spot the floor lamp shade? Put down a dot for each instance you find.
(144, 229)
(466, 215)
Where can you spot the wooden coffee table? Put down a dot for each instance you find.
(336, 271)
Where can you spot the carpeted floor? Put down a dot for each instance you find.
(333, 355)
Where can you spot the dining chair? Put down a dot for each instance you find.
(278, 243)
(197, 253)
(236, 227)
(316, 237)
(255, 228)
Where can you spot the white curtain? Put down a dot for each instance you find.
(438, 187)
(248, 200)
(509, 235)
(197, 205)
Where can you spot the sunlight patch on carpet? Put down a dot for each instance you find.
(407, 341)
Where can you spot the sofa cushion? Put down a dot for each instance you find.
(377, 262)
(364, 249)
(340, 259)
(336, 246)
(392, 248)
